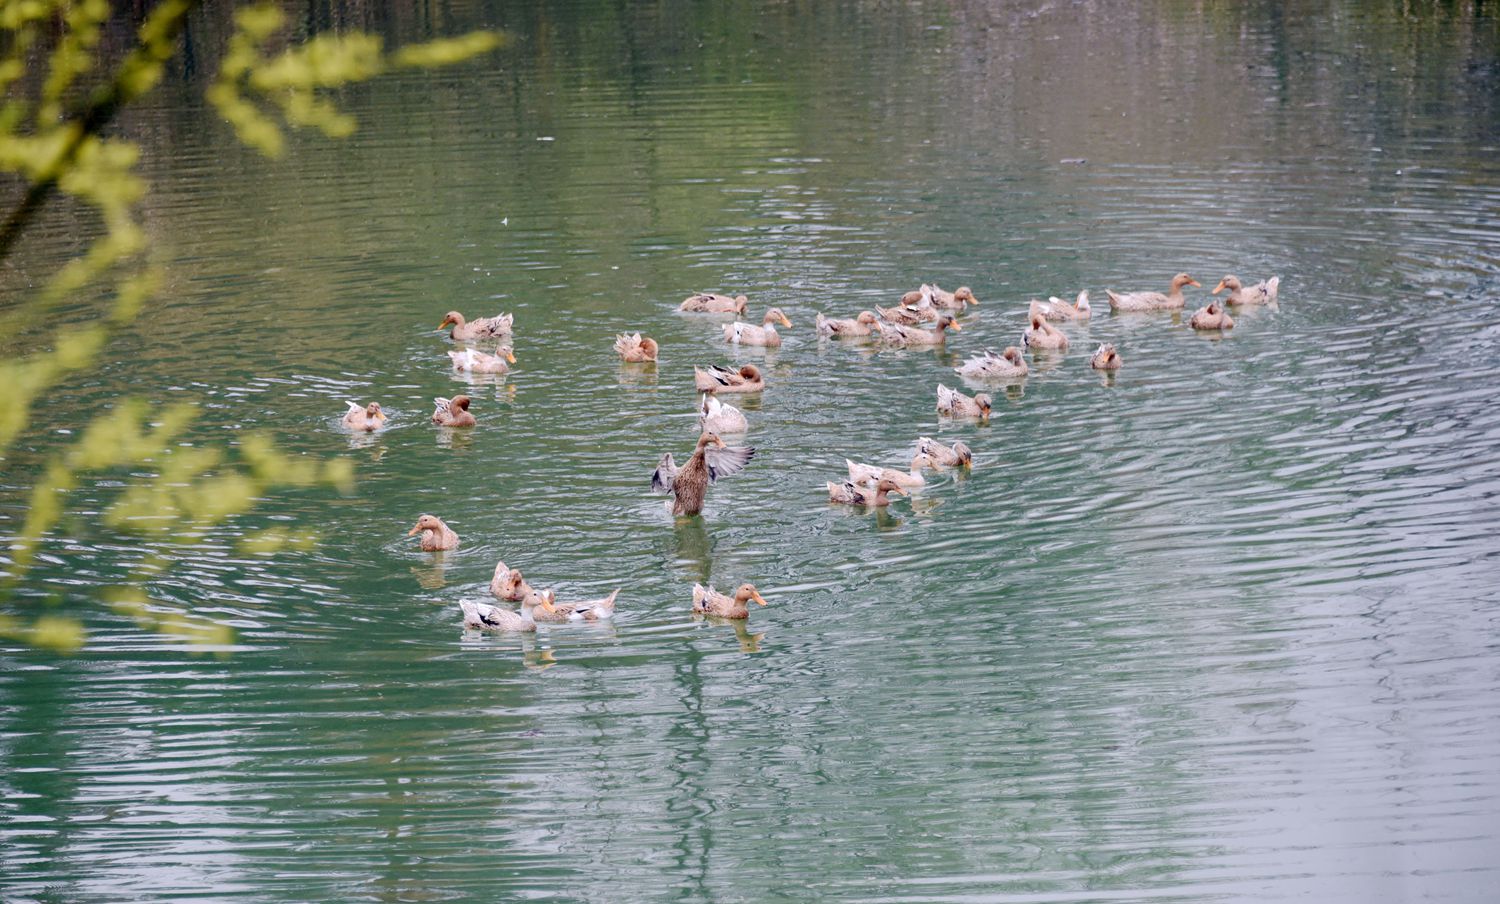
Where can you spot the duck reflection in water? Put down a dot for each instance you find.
(433, 575)
(453, 438)
(693, 550)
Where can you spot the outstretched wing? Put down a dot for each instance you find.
(664, 475)
(442, 405)
(726, 461)
(354, 408)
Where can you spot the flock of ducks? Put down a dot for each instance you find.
(712, 458)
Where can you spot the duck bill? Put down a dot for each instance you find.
(901, 491)
(758, 598)
(784, 321)
(510, 357)
(413, 532)
(955, 326)
(1219, 288)
(1194, 282)
(547, 607)
(380, 416)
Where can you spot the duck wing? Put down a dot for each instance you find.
(726, 461)
(664, 475)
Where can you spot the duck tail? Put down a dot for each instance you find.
(1272, 285)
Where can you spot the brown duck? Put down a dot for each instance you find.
(481, 328)
(453, 412)
(711, 460)
(435, 534)
(722, 379)
(708, 601)
(709, 303)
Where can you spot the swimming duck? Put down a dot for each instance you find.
(953, 301)
(863, 474)
(1153, 301)
(897, 334)
(708, 601)
(955, 404)
(742, 333)
(1105, 358)
(863, 325)
(633, 348)
(908, 315)
(471, 361)
(716, 417)
(435, 534)
(369, 418)
(1043, 335)
(722, 379)
(484, 617)
(508, 584)
(1260, 293)
(688, 485)
(957, 454)
(990, 366)
(851, 493)
(482, 328)
(452, 412)
(709, 303)
(1056, 309)
(587, 610)
(1211, 317)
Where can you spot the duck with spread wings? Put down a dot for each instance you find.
(688, 485)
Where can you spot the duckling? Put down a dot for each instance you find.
(955, 404)
(1153, 301)
(1260, 293)
(711, 459)
(863, 474)
(722, 379)
(742, 333)
(482, 328)
(479, 363)
(435, 534)
(484, 617)
(957, 455)
(897, 334)
(716, 417)
(1211, 317)
(369, 418)
(1056, 309)
(452, 412)
(863, 325)
(633, 348)
(990, 366)
(1105, 358)
(709, 303)
(587, 610)
(850, 493)
(1043, 335)
(708, 601)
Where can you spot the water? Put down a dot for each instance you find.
(1219, 629)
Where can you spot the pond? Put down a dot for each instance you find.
(1220, 627)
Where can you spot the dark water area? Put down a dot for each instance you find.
(1219, 628)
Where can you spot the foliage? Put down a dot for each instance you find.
(52, 137)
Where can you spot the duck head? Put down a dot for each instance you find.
(424, 523)
(504, 351)
(747, 592)
(984, 402)
(452, 317)
(947, 322)
(1232, 283)
(373, 410)
(750, 372)
(1182, 279)
(886, 485)
(775, 316)
(966, 295)
(868, 318)
(709, 439)
(1013, 355)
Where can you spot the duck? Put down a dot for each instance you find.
(955, 404)
(897, 334)
(470, 361)
(953, 301)
(1056, 309)
(484, 617)
(711, 459)
(908, 315)
(587, 610)
(863, 325)
(497, 327)
(722, 379)
(633, 348)
(716, 417)
(956, 455)
(369, 418)
(1043, 335)
(1211, 316)
(435, 534)
(452, 412)
(863, 474)
(1153, 301)
(508, 583)
(1260, 293)
(851, 493)
(1008, 365)
(708, 601)
(709, 303)
(1105, 358)
(741, 333)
